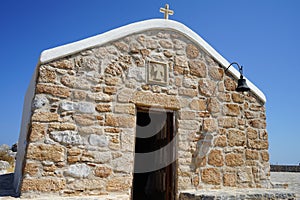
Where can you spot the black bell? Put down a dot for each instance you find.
(242, 85)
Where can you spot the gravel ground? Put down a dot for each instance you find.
(291, 178)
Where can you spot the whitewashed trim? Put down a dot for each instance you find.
(68, 49)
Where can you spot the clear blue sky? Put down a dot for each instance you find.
(261, 35)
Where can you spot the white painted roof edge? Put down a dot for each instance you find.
(152, 24)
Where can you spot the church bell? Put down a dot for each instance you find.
(242, 85)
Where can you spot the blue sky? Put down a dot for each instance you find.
(261, 35)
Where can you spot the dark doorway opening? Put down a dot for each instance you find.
(154, 131)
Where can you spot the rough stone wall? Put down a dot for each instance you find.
(81, 139)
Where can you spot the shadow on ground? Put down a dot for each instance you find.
(6, 185)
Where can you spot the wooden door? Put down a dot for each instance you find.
(158, 184)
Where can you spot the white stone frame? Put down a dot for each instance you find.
(165, 69)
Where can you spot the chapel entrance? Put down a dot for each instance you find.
(154, 169)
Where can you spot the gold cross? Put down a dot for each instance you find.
(166, 11)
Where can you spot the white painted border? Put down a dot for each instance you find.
(68, 49)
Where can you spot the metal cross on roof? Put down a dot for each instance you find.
(166, 11)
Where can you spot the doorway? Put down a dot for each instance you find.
(155, 130)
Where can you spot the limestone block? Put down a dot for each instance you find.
(178, 44)
(40, 101)
(210, 125)
(78, 171)
(230, 179)
(245, 175)
(166, 44)
(220, 141)
(215, 158)
(101, 97)
(200, 162)
(73, 159)
(102, 171)
(224, 97)
(230, 84)
(68, 81)
(216, 73)
(66, 137)
(198, 104)
(234, 159)
(211, 176)
(228, 122)
(89, 63)
(119, 184)
(197, 68)
(127, 143)
(43, 184)
(38, 132)
(98, 140)
(61, 126)
(213, 105)
(181, 61)
(251, 154)
(112, 81)
(145, 52)
(80, 95)
(265, 156)
(125, 108)
(45, 117)
(112, 130)
(206, 87)
(151, 44)
(103, 108)
(82, 83)
(67, 106)
(258, 123)
(84, 119)
(192, 51)
(231, 110)
(188, 124)
(236, 138)
(63, 64)
(86, 107)
(31, 168)
(123, 163)
(252, 133)
(186, 115)
(87, 184)
(74, 151)
(49, 152)
(47, 75)
(188, 92)
(96, 157)
(258, 144)
(190, 82)
(257, 107)
(55, 90)
(110, 90)
(137, 73)
(122, 46)
(125, 95)
(237, 98)
(263, 135)
(119, 121)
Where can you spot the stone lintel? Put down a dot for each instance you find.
(148, 99)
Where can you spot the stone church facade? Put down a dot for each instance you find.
(81, 115)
